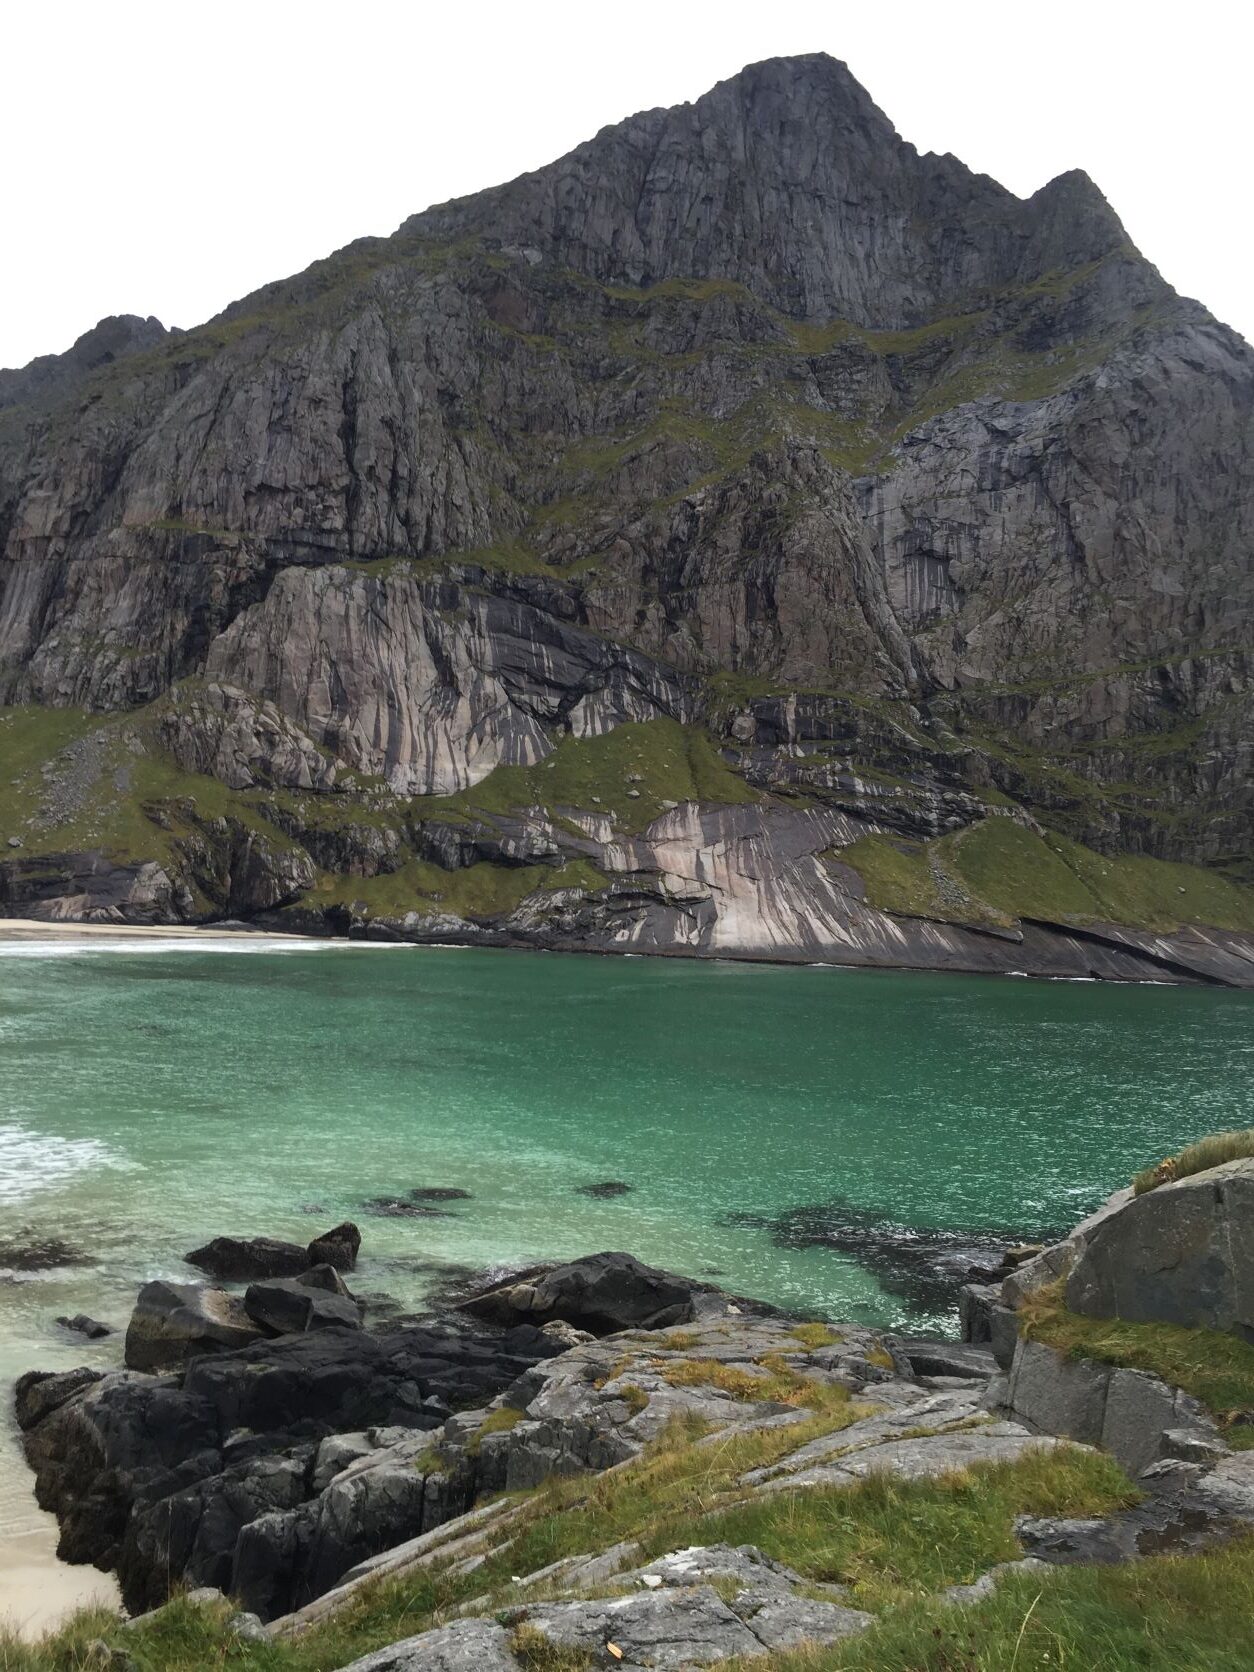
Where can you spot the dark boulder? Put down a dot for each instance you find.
(174, 1322)
(175, 1479)
(40, 1392)
(601, 1293)
(317, 1299)
(338, 1247)
(606, 1190)
(248, 1259)
(438, 1193)
(81, 1324)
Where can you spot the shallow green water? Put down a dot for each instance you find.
(151, 1099)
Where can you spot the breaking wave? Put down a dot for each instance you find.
(31, 1162)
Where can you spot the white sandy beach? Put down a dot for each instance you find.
(37, 1591)
(29, 928)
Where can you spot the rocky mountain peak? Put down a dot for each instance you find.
(744, 436)
(56, 374)
(787, 178)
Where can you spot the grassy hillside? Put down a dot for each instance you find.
(1000, 871)
(76, 781)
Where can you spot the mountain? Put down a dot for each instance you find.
(745, 535)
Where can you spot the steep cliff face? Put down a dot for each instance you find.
(927, 504)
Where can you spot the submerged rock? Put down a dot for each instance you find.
(922, 1264)
(34, 1251)
(245, 1259)
(604, 1191)
(81, 1324)
(397, 1207)
(337, 1247)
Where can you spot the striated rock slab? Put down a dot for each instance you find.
(465, 684)
(1126, 1412)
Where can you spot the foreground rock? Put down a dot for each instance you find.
(175, 1322)
(317, 1299)
(158, 1477)
(1182, 1253)
(251, 1259)
(290, 1474)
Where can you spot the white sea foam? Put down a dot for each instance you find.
(31, 1162)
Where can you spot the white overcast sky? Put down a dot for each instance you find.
(166, 158)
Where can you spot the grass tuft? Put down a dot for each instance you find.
(1165, 1614)
(538, 1653)
(1197, 1158)
(772, 1379)
(815, 1335)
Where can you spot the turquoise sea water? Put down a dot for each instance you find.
(152, 1098)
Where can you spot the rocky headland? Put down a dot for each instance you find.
(603, 1461)
(744, 537)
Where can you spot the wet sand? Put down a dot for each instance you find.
(37, 1591)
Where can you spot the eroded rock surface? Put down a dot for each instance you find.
(929, 504)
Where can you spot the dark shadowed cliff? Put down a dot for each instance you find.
(745, 535)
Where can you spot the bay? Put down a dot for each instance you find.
(803, 1133)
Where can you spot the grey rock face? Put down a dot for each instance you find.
(467, 685)
(737, 407)
(53, 375)
(788, 179)
(464, 1646)
(1126, 1412)
(245, 742)
(665, 1629)
(1181, 1254)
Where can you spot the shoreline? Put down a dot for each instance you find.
(34, 928)
(38, 1591)
(19, 930)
